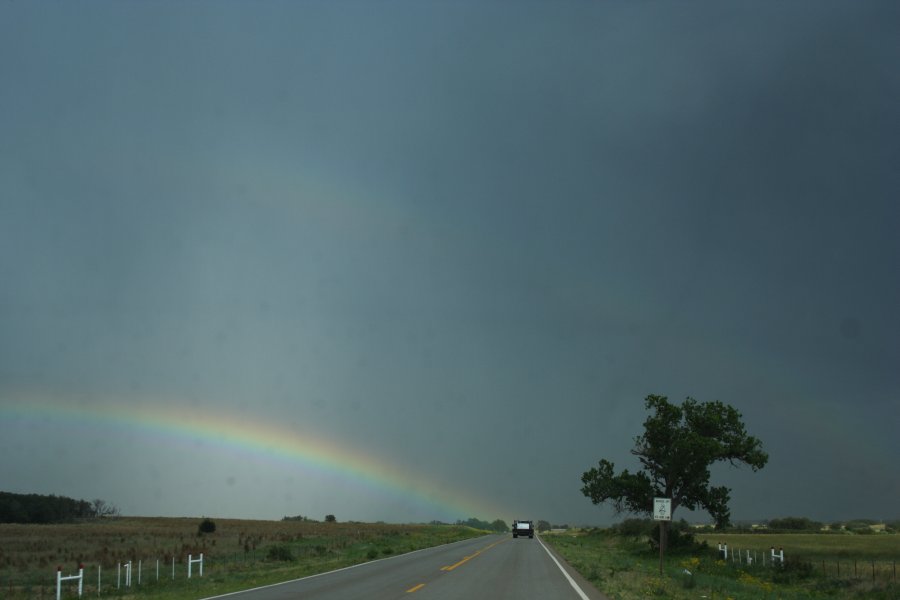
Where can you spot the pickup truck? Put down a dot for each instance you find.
(523, 528)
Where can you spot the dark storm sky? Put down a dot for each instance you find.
(464, 238)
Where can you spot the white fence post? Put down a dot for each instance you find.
(749, 559)
(192, 560)
(777, 556)
(60, 579)
(724, 549)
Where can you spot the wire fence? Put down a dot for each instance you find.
(874, 570)
(108, 580)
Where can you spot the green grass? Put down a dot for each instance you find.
(238, 555)
(627, 569)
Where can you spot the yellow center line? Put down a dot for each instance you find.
(471, 556)
(415, 588)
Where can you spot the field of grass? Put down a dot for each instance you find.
(238, 555)
(627, 569)
(814, 547)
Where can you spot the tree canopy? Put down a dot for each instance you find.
(677, 448)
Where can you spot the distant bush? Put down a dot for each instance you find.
(206, 526)
(330, 519)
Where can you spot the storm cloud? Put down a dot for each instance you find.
(464, 240)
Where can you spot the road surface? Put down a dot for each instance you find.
(492, 567)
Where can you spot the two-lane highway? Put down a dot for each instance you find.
(490, 568)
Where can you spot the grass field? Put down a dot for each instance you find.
(627, 569)
(238, 555)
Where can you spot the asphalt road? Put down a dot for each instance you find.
(489, 568)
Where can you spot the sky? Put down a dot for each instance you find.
(406, 261)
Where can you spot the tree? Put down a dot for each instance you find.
(543, 526)
(677, 448)
(101, 508)
(499, 525)
(330, 519)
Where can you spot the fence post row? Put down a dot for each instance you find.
(129, 568)
(60, 579)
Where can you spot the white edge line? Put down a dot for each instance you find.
(569, 577)
(362, 564)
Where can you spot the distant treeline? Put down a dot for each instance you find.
(497, 525)
(37, 508)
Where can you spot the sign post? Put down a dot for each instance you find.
(662, 511)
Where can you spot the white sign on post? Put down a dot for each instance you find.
(662, 509)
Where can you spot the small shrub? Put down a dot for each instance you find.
(206, 526)
(280, 552)
(635, 528)
(372, 553)
(680, 535)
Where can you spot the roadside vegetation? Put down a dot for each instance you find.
(623, 562)
(238, 554)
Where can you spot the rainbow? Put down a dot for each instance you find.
(358, 468)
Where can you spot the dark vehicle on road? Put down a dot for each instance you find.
(523, 528)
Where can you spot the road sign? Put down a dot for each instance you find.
(662, 509)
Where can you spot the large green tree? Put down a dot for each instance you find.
(677, 448)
